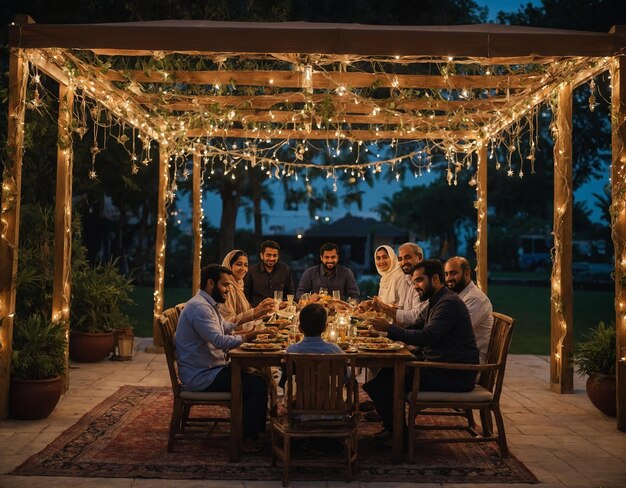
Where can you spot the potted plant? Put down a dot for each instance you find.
(37, 362)
(595, 357)
(98, 294)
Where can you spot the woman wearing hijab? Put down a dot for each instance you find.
(391, 274)
(391, 278)
(237, 309)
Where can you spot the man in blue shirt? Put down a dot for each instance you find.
(202, 339)
(329, 275)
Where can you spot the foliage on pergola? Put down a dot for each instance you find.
(247, 94)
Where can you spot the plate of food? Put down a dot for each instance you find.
(261, 346)
(381, 346)
(373, 340)
(278, 322)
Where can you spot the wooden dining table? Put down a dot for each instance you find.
(241, 359)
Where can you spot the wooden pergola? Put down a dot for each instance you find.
(192, 87)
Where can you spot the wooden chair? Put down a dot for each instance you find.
(485, 397)
(318, 408)
(181, 424)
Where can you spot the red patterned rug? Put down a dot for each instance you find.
(126, 437)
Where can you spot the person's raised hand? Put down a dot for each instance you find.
(380, 325)
(263, 308)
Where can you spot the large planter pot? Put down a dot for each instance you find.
(601, 392)
(88, 347)
(34, 399)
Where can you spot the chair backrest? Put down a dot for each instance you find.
(499, 343)
(320, 380)
(168, 322)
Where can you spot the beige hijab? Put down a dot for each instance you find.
(236, 301)
(387, 289)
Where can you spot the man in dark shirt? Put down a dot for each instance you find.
(445, 334)
(268, 276)
(329, 275)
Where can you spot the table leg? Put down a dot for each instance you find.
(236, 416)
(398, 411)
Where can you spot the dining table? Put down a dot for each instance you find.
(241, 358)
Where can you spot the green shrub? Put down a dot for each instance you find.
(596, 354)
(98, 294)
(38, 349)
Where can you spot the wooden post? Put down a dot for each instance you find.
(63, 219)
(197, 224)
(618, 226)
(481, 224)
(562, 295)
(159, 259)
(10, 218)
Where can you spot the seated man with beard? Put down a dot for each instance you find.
(202, 340)
(443, 331)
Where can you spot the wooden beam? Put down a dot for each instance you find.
(618, 226)
(327, 80)
(63, 219)
(197, 223)
(404, 60)
(481, 224)
(383, 118)
(10, 217)
(562, 295)
(346, 104)
(51, 70)
(361, 135)
(159, 258)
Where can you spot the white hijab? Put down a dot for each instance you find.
(387, 289)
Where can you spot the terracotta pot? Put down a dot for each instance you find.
(87, 347)
(34, 399)
(602, 394)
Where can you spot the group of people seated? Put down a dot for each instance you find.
(436, 308)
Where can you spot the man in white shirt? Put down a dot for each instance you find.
(409, 304)
(458, 279)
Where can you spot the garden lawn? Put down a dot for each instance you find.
(529, 305)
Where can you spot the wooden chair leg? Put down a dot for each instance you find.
(348, 445)
(175, 424)
(504, 450)
(185, 417)
(273, 445)
(486, 422)
(469, 415)
(286, 459)
(411, 433)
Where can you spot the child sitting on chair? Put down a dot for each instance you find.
(312, 324)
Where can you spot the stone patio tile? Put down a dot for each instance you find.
(31, 426)
(149, 483)
(543, 475)
(16, 442)
(614, 444)
(567, 473)
(535, 454)
(544, 429)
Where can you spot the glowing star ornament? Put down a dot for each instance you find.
(93, 175)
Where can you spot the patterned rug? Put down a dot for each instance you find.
(126, 437)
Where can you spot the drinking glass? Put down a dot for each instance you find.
(289, 300)
(323, 292)
(278, 297)
(336, 295)
(304, 299)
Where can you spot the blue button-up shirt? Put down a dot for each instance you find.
(202, 339)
